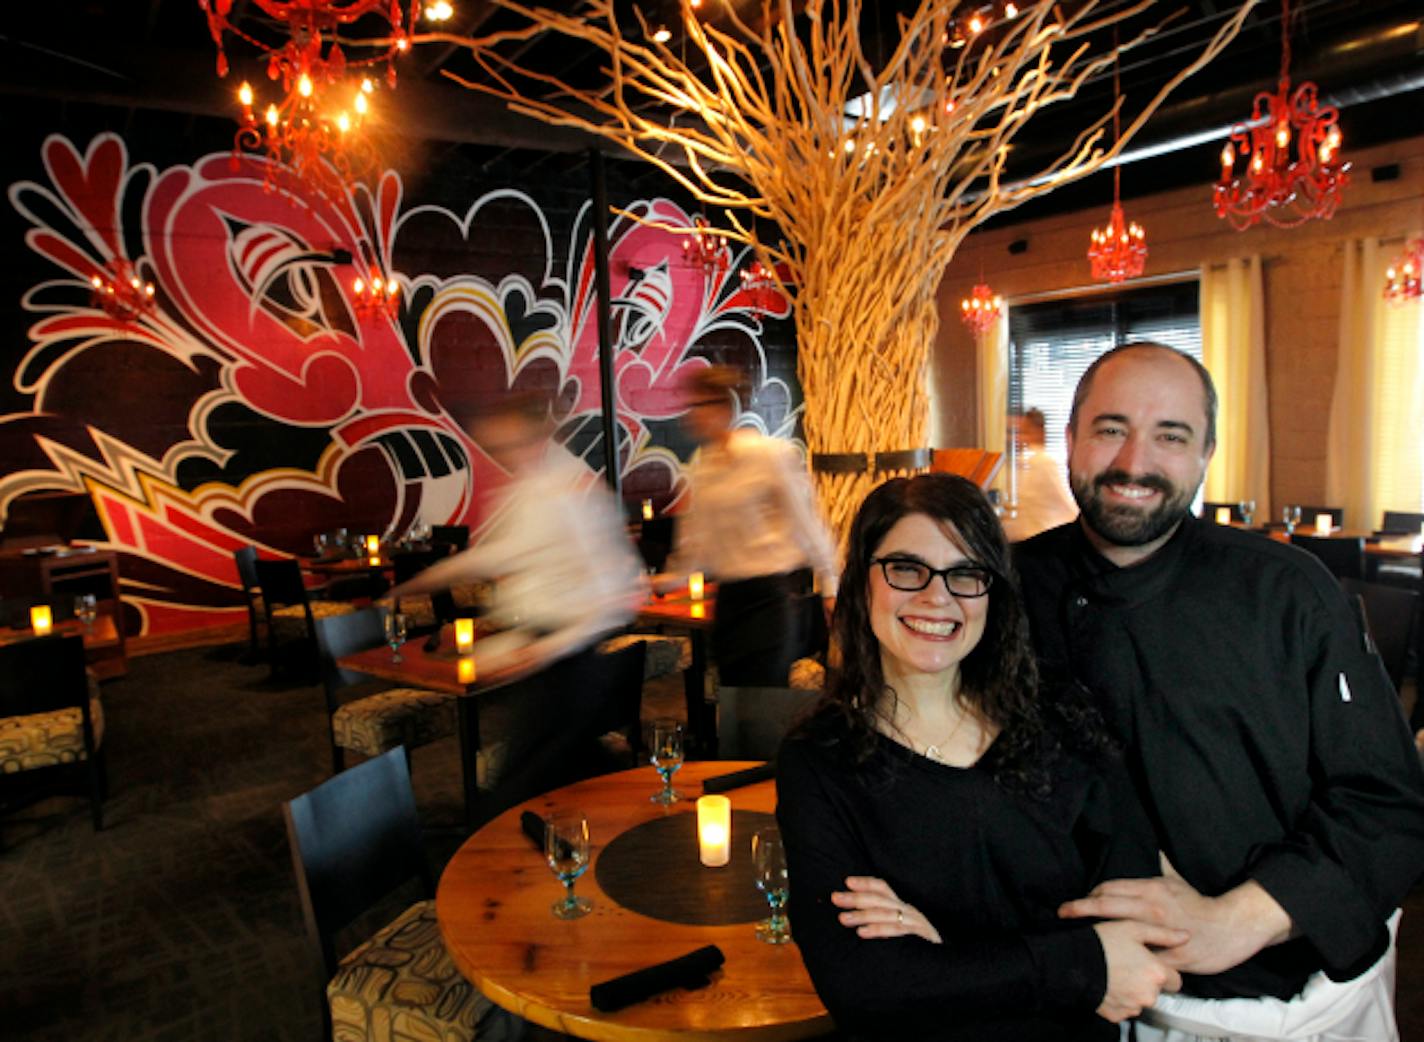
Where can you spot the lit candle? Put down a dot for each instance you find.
(464, 636)
(1223, 515)
(698, 610)
(466, 670)
(374, 562)
(695, 585)
(1322, 524)
(714, 830)
(41, 621)
(373, 545)
(647, 510)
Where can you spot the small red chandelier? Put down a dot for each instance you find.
(376, 295)
(1275, 187)
(314, 128)
(1118, 250)
(761, 287)
(706, 249)
(981, 309)
(1401, 279)
(119, 291)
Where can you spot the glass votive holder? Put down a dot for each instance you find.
(373, 545)
(1223, 515)
(464, 636)
(465, 670)
(714, 830)
(696, 585)
(647, 510)
(41, 620)
(1323, 524)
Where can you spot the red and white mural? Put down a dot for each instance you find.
(257, 401)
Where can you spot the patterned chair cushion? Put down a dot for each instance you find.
(406, 716)
(807, 675)
(290, 621)
(47, 739)
(418, 610)
(401, 986)
(665, 655)
(473, 594)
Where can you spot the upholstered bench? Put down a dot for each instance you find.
(290, 621)
(665, 655)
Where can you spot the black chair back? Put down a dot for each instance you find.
(1400, 522)
(42, 675)
(1344, 557)
(621, 681)
(281, 583)
(655, 541)
(247, 568)
(410, 563)
(457, 536)
(354, 839)
(1389, 613)
(339, 635)
(1308, 515)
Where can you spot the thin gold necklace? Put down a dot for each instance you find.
(934, 750)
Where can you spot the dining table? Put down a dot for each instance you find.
(101, 637)
(680, 611)
(652, 901)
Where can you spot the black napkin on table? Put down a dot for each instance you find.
(432, 642)
(686, 971)
(736, 779)
(533, 826)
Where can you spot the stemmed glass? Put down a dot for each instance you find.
(566, 849)
(395, 634)
(1291, 517)
(769, 868)
(666, 757)
(86, 609)
(1247, 508)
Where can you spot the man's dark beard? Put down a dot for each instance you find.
(1127, 525)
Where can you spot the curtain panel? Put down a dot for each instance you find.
(1233, 337)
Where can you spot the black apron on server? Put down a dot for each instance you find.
(761, 628)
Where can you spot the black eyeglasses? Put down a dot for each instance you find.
(909, 575)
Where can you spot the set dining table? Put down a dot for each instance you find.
(652, 901)
(694, 617)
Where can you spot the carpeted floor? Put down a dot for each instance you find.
(180, 920)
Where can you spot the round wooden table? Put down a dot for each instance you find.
(494, 910)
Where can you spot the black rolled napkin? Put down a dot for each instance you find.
(432, 642)
(686, 971)
(533, 827)
(736, 779)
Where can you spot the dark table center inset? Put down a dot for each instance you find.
(653, 869)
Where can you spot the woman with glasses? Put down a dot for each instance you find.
(937, 809)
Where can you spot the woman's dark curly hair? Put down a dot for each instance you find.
(998, 678)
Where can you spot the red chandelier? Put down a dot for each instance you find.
(705, 249)
(1401, 279)
(981, 309)
(376, 295)
(314, 128)
(1119, 250)
(761, 286)
(119, 291)
(1282, 190)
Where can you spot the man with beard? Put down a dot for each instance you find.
(1262, 734)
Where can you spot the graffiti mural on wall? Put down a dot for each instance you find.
(257, 402)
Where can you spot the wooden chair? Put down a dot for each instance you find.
(51, 718)
(290, 612)
(1390, 616)
(978, 465)
(355, 839)
(379, 717)
(251, 592)
(1344, 557)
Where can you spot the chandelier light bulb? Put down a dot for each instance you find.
(304, 86)
(358, 287)
(343, 122)
(244, 94)
(96, 281)
(662, 34)
(367, 86)
(976, 24)
(440, 11)
(272, 115)
(1011, 10)
(362, 105)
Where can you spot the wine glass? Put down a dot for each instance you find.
(769, 868)
(395, 634)
(321, 544)
(86, 609)
(666, 757)
(1247, 509)
(566, 849)
(1291, 517)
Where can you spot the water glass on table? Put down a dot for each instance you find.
(86, 609)
(1291, 517)
(395, 633)
(769, 871)
(1247, 509)
(666, 755)
(566, 848)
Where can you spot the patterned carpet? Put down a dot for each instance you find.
(180, 920)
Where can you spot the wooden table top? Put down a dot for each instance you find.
(102, 634)
(678, 609)
(346, 565)
(1377, 546)
(494, 910)
(439, 670)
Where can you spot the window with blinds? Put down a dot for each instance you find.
(1052, 343)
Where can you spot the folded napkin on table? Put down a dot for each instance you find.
(736, 779)
(533, 827)
(686, 971)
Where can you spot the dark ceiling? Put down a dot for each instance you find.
(141, 57)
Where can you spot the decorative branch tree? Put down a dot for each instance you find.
(873, 172)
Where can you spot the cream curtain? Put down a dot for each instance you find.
(993, 358)
(1234, 351)
(1376, 438)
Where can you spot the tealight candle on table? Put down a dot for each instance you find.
(41, 620)
(465, 670)
(1223, 515)
(647, 510)
(695, 585)
(374, 562)
(373, 545)
(1323, 524)
(464, 636)
(714, 830)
